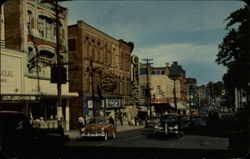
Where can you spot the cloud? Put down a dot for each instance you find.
(197, 60)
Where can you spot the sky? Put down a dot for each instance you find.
(185, 31)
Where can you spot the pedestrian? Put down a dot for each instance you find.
(80, 123)
(111, 121)
(120, 116)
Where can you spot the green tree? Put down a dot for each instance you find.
(234, 50)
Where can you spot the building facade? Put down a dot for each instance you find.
(164, 91)
(30, 28)
(96, 57)
(192, 96)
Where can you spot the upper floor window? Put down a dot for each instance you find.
(46, 27)
(72, 44)
(158, 89)
(30, 20)
(143, 71)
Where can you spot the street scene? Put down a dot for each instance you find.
(124, 79)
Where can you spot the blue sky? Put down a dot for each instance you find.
(185, 31)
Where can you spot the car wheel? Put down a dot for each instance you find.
(106, 136)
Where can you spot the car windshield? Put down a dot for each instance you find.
(149, 76)
(169, 117)
(97, 121)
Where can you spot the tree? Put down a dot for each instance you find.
(234, 49)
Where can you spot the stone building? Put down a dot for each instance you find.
(30, 28)
(96, 57)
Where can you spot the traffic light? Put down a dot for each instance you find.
(58, 74)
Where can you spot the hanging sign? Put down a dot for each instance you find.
(108, 84)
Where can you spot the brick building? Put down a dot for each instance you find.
(92, 51)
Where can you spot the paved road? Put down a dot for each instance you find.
(147, 139)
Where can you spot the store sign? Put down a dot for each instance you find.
(18, 98)
(108, 84)
(11, 74)
(113, 103)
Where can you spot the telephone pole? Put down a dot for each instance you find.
(148, 94)
(58, 69)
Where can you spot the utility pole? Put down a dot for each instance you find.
(175, 100)
(59, 66)
(92, 85)
(148, 94)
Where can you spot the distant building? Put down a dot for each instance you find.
(177, 73)
(192, 99)
(162, 90)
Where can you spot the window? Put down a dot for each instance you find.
(72, 44)
(158, 89)
(143, 71)
(46, 27)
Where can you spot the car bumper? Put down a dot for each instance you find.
(93, 134)
(169, 131)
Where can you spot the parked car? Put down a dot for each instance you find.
(198, 122)
(185, 120)
(170, 124)
(152, 122)
(99, 127)
(19, 138)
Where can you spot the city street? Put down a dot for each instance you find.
(143, 143)
(146, 138)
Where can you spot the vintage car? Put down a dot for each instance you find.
(152, 122)
(169, 124)
(185, 120)
(99, 127)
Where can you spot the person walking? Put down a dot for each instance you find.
(80, 123)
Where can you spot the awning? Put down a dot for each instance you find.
(179, 106)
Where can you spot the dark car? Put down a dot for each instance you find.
(185, 120)
(151, 123)
(170, 124)
(198, 122)
(19, 138)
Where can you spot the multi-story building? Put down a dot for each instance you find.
(30, 28)
(192, 99)
(164, 91)
(177, 73)
(96, 57)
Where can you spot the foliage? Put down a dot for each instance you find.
(234, 51)
(234, 47)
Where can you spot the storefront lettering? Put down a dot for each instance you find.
(5, 74)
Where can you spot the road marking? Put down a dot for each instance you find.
(133, 137)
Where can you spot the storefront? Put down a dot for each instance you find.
(30, 95)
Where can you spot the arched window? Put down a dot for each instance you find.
(30, 20)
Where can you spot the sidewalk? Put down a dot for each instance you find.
(74, 134)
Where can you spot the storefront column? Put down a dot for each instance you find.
(67, 116)
(25, 108)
